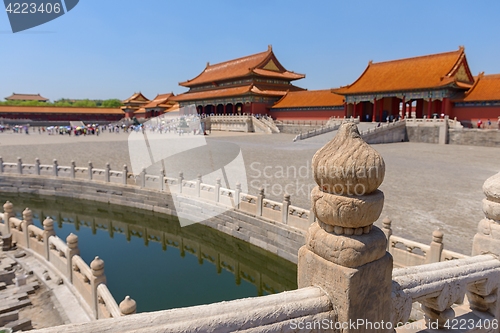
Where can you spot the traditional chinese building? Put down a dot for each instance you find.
(160, 104)
(26, 97)
(251, 84)
(425, 85)
(482, 101)
(308, 105)
(133, 104)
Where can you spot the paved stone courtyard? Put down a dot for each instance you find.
(426, 186)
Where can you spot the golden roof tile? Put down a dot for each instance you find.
(424, 72)
(309, 98)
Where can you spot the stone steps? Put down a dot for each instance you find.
(14, 295)
(10, 306)
(23, 324)
(8, 317)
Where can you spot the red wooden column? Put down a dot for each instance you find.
(403, 111)
(429, 108)
(380, 109)
(374, 109)
(444, 106)
(345, 109)
(225, 108)
(354, 110)
(420, 108)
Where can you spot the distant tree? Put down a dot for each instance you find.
(63, 103)
(111, 103)
(84, 103)
(66, 102)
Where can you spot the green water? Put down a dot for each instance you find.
(159, 264)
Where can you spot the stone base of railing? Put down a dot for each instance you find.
(281, 239)
(284, 312)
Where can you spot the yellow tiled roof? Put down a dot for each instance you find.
(424, 72)
(486, 88)
(318, 98)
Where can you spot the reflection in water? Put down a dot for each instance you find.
(150, 257)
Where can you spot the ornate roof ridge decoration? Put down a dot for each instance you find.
(485, 88)
(37, 97)
(137, 97)
(159, 100)
(241, 67)
(207, 94)
(425, 72)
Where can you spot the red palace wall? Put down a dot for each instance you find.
(51, 113)
(305, 114)
(469, 113)
(259, 108)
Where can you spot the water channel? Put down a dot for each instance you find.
(150, 257)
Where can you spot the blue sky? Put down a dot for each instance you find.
(110, 49)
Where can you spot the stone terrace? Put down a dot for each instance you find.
(426, 186)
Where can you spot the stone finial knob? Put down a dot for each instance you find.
(72, 241)
(491, 188)
(8, 207)
(348, 172)
(27, 214)
(386, 222)
(437, 236)
(48, 224)
(347, 165)
(128, 306)
(491, 204)
(97, 266)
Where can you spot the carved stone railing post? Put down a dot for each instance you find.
(217, 190)
(162, 180)
(37, 166)
(387, 229)
(72, 172)
(180, 180)
(142, 178)
(54, 168)
(311, 218)
(90, 171)
(1, 164)
(345, 254)
(107, 169)
(436, 248)
(19, 166)
(124, 175)
(48, 230)
(72, 242)
(128, 306)
(98, 277)
(198, 185)
(237, 195)
(8, 212)
(260, 201)
(285, 208)
(27, 221)
(485, 296)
